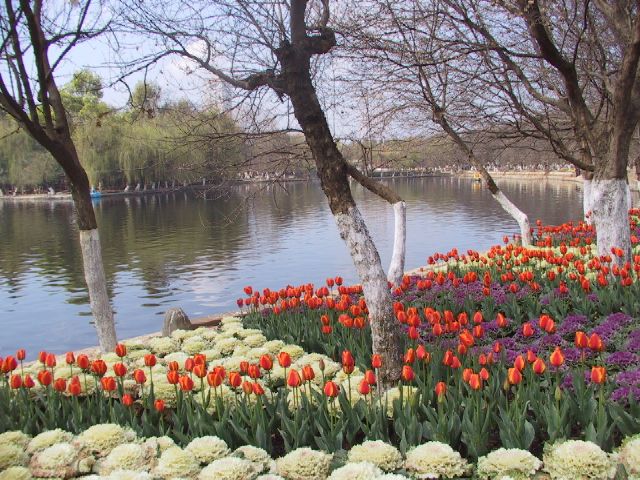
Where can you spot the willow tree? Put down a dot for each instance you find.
(567, 71)
(255, 46)
(29, 94)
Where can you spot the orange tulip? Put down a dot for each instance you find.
(539, 366)
(266, 362)
(531, 357)
(50, 361)
(108, 384)
(293, 378)
(284, 359)
(364, 387)
(257, 388)
(235, 380)
(370, 377)
(519, 363)
(121, 350)
(307, 373)
(407, 373)
(581, 340)
(484, 374)
(478, 318)
(474, 382)
(557, 357)
(200, 371)
(186, 384)
(466, 374)
(214, 379)
(527, 329)
(441, 389)
(83, 361)
(60, 385)
(501, 320)
(409, 356)
(173, 377)
(45, 378)
(150, 360)
(331, 389)
(15, 381)
(127, 400)
(159, 405)
(120, 369)
(598, 375)
(139, 376)
(595, 343)
(254, 372)
(514, 376)
(98, 367)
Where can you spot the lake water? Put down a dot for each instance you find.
(183, 250)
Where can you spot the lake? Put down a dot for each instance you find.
(183, 250)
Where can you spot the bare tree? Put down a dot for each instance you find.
(568, 72)
(253, 46)
(418, 60)
(28, 92)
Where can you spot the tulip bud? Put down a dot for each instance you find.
(21, 354)
(139, 376)
(364, 387)
(321, 365)
(407, 373)
(70, 358)
(83, 361)
(159, 405)
(186, 383)
(173, 377)
(293, 378)
(257, 389)
(284, 359)
(50, 361)
(331, 389)
(376, 361)
(235, 380)
(558, 394)
(121, 350)
(127, 400)
(266, 362)
(440, 389)
(120, 369)
(150, 360)
(15, 381)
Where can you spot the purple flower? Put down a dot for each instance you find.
(622, 394)
(622, 359)
(629, 378)
(571, 324)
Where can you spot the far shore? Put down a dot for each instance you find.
(562, 175)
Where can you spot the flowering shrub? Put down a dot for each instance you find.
(578, 459)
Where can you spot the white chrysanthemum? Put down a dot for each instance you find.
(254, 354)
(395, 476)
(159, 444)
(629, 456)
(128, 456)
(304, 464)
(194, 345)
(15, 438)
(241, 351)
(256, 340)
(229, 468)
(270, 476)
(211, 354)
(248, 332)
(175, 462)
(163, 345)
(181, 335)
(102, 438)
(208, 333)
(384, 456)
(579, 460)
(133, 344)
(12, 456)
(46, 439)
(60, 460)
(16, 473)
(356, 471)
(138, 354)
(515, 463)
(294, 351)
(256, 455)
(435, 460)
(230, 320)
(226, 345)
(274, 346)
(207, 449)
(393, 394)
(179, 357)
(129, 475)
(232, 364)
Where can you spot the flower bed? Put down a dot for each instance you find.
(508, 354)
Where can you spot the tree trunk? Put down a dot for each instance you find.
(333, 173)
(610, 205)
(520, 217)
(396, 268)
(92, 255)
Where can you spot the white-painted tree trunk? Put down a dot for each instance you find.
(97, 287)
(587, 201)
(385, 331)
(396, 268)
(519, 216)
(610, 204)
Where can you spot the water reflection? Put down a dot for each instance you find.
(176, 249)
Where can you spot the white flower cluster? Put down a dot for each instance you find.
(48, 438)
(386, 457)
(229, 468)
(435, 460)
(176, 462)
(15, 473)
(628, 456)
(102, 438)
(356, 471)
(12, 456)
(512, 463)
(579, 460)
(304, 464)
(208, 449)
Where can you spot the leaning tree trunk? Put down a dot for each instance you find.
(92, 257)
(587, 197)
(396, 267)
(333, 174)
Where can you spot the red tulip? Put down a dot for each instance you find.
(186, 384)
(28, 381)
(9, 364)
(189, 363)
(75, 388)
(257, 389)
(376, 361)
(409, 356)
(478, 318)
(150, 360)
(159, 405)
(15, 381)
(200, 371)
(139, 376)
(501, 320)
(370, 377)
(307, 373)
(527, 329)
(247, 387)
(235, 380)
(45, 378)
(531, 357)
(407, 373)
(484, 374)
(466, 374)
(284, 359)
(120, 369)
(60, 385)
(475, 382)
(595, 343)
(127, 400)
(69, 358)
(244, 367)
(121, 350)
(214, 379)
(266, 362)
(581, 340)
(331, 389)
(293, 378)
(42, 357)
(98, 367)
(108, 384)
(519, 363)
(441, 389)
(173, 377)
(21, 354)
(364, 387)
(173, 366)
(539, 366)
(83, 361)
(50, 361)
